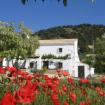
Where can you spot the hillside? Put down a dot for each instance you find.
(86, 33)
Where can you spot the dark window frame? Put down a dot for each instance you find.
(59, 65)
(60, 50)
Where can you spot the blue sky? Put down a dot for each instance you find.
(41, 15)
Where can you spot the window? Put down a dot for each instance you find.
(59, 65)
(31, 64)
(59, 50)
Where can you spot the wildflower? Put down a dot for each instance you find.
(2, 71)
(84, 81)
(56, 81)
(65, 73)
(97, 89)
(73, 97)
(88, 102)
(54, 98)
(82, 103)
(65, 103)
(70, 80)
(101, 93)
(64, 88)
(102, 80)
(24, 95)
(11, 69)
(7, 99)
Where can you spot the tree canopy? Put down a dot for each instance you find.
(16, 43)
(100, 54)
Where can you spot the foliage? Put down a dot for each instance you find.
(50, 56)
(100, 54)
(9, 40)
(15, 44)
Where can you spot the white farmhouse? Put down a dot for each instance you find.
(58, 54)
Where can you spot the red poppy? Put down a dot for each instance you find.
(88, 102)
(64, 88)
(102, 80)
(84, 81)
(7, 99)
(65, 103)
(65, 73)
(101, 93)
(70, 80)
(56, 81)
(97, 89)
(54, 98)
(82, 103)
(11, 69)
(2, 71)
(24, 95)
(73, 97)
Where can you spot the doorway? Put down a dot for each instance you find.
(81, 71)
(45, 64)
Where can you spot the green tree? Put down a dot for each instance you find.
(9, 40)
(100, 54)
(17, 44)
(29, 42)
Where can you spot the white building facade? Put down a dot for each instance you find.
(58, 54)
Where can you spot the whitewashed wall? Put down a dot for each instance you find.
(71, 49)
(54, 50)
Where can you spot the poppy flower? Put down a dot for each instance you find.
(73, 97)
(2, 71)
(65, 103)
(64, 88)
(88, 102)
(11, 69)
(65, 73)
(84, 81)
(102, 80)
(70, 80)
(54, 98)
(97, 89)
(25, 95)
(82, 103)
(101, 93)
(56, 81)
(7, 99)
